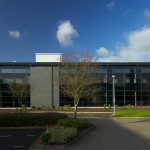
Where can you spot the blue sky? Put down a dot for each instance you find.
(112, 30)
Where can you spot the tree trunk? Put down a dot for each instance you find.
(75, 111)
(20, 103)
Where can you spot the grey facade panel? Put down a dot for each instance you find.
(44, 86)
(56, 86)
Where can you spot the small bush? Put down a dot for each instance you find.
(39, 108)
(75, 123)
(129, 106)
(24, 107)
(33, 107)
(61, 135)
(104, 105)
(53, 107)
(58, 108)
(67, 107)
(109, 106)
(46, 138)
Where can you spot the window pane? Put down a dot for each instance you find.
(118, 70)
(19, 70)
(7, 70)
(7, 80)
(145, 69)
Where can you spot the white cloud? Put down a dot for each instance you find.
(147, 13)
(103, 52)
(15, 34)
(65, 33)
(111, 5)
(137, 49)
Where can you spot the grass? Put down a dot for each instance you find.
(133, 113)
(29, 119)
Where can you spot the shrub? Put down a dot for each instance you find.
(58, 108)
(61, 135)
(39, 108)
(53, 107)
(46, 138)
(29, 119)
(104, 105)
(67, 107)
(75, 123)
(24, 107)
(129, 106)
(33, 107)
(109, 106)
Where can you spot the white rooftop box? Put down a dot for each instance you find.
(48, 57)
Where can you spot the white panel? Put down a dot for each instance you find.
(48, 57)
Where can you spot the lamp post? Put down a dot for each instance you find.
(113, 77)
(135, 88)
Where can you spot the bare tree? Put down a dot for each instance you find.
(77, 77)
(20, 90)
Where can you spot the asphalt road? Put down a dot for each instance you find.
(18, 139)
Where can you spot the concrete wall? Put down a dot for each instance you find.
(44, 87)
(56, 86)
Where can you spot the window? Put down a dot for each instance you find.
(145, 69)
(10, 74)
(7, 70)
(118, 70)
(144, 80)
(19, 70)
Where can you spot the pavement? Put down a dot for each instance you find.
(108, 134)
(116, 134)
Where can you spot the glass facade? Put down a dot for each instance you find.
(132, 86)
(8, 75)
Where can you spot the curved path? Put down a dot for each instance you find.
(116, 134)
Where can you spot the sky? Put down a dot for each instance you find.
(112, 30)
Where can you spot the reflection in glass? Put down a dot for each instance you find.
(10, 75)
(7, 70)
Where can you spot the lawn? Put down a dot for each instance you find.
(133, 113)
(29, 119)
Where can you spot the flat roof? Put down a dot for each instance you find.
(56, 63)
(48, 53)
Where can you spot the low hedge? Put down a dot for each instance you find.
(75, 123)
(29, 119)
(64, 131)
(46, 138)
(59, 135)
